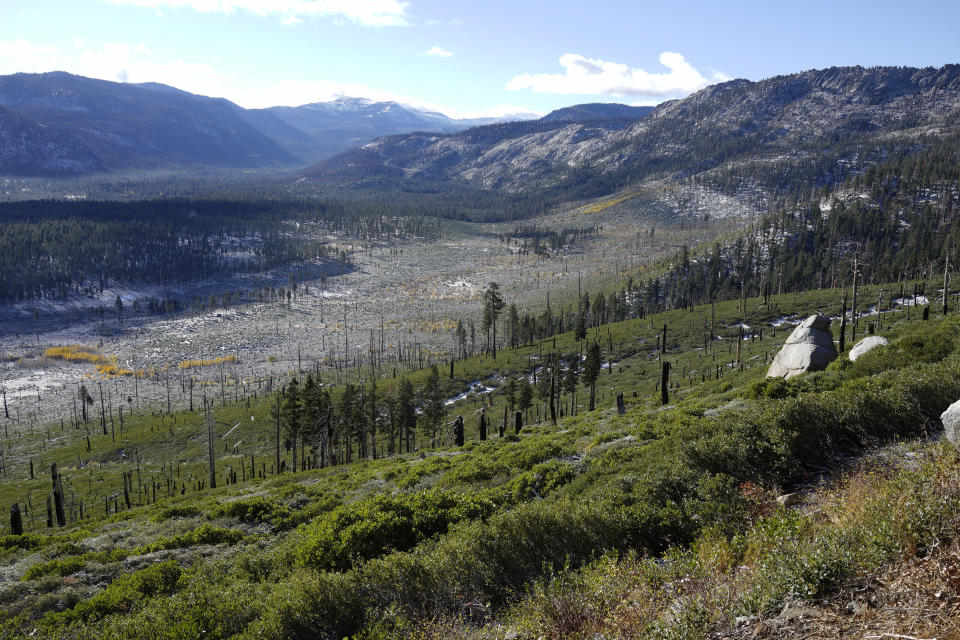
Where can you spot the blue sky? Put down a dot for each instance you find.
(465, 58)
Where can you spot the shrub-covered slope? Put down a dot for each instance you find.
(551, 531)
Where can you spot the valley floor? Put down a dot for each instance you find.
(402, 296)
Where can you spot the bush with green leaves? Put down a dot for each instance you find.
(204, 534)
(122, 595)
(370, 527)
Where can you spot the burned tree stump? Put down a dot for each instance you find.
(16, 521)
(458, 431)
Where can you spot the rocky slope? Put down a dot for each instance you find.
(813, 125)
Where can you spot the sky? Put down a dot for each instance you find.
(466, 58)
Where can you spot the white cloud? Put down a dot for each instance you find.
(587, 76)
(370, 13)
(118, 61)
(438, 52)
(23, 56)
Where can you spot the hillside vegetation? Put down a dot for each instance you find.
(551, 531)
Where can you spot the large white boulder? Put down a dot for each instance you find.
(867, 344)
(809, 348)
(951, 423)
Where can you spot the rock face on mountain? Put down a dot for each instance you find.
(867, 344)
(850, 111)
(809, 348)
(951, 423)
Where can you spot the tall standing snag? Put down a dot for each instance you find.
(57, 496)
(665, 383)
(208, 419)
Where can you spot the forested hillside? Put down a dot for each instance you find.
(898, 220)
(49, 249)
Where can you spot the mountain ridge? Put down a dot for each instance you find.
(129, 126)
(59, 123)
(842, 114)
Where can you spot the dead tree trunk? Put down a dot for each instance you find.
(665, 383)
(208, 418)
(57, 495)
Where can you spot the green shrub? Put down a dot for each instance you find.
(25, 541)
(122, 594)
(71, 564)
(255, 510)
(204, 534)
(311, 605)
(539, 482)
(370, 527)
(169, 512)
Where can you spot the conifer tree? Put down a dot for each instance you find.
(591, 370)
(434, 410)
(291, 418)
(406, 412)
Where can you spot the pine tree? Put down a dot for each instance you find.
(591, 370)
(290, 417)
(571, 376)
(524, 395)
(406, 412)
(510, 393)
(434, 410)
(316, 405)
(492, 306)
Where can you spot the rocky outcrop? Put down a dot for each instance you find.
(867, 344)
(809, 348)
(951, 423)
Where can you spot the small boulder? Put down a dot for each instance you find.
(867, 344)
(788, 499)
(809, 348)
(951, 423)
